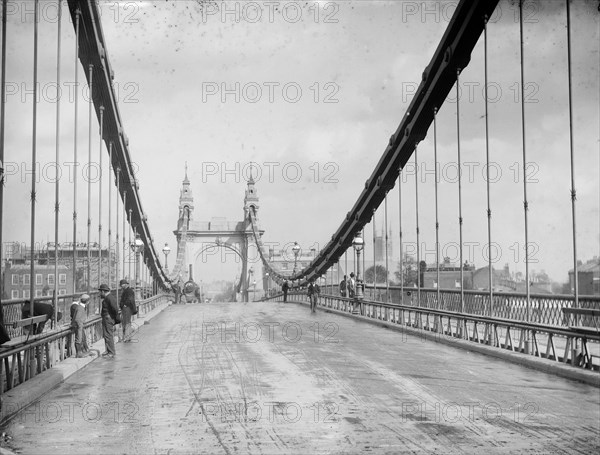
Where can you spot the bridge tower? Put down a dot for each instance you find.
(250, 207)
(251, 200)
(197, 240)
(186, 210)
(186, 199)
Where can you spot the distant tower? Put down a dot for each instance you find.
(380, 246)
(251, 199)
(185, 197)
(390, 244)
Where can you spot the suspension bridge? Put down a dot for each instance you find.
(448, 357)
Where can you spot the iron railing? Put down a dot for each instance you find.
(554, 342)
(11, 310)
(545, 308)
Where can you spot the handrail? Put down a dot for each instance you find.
(30, 321)
(507, 334)
(566, 331)
(42, 339)
(92, 319)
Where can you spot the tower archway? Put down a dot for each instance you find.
(195, 238)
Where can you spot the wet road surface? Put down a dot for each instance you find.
(270, 378)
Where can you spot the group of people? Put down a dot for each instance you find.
(111, 313)
(348, 286)
(313, 290)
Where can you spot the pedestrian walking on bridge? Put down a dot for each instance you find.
(313, 292)
(351, 286)
(285, 287)
(344, 286)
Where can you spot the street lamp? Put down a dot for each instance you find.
(251, 273)
(296, 250)
(358, 244)
(137, 245)
(166, 250)
(267, 290)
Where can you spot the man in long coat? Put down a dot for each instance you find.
(110, 317)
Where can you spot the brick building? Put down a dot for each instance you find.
(588, 278)
(17, 279)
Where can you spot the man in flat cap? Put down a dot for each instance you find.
(127, 305)
(110, 317)
(78, 317)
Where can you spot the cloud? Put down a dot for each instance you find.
(200, 86)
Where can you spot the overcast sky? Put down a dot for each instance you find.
(311, 92)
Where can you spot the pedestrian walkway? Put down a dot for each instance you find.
(271, 378)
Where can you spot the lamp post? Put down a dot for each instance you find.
(178, 295)
(145, 277)
(358, 244)
(166, 250)
(267, 290)
(296, 250)
(137, 245)
(251, 274)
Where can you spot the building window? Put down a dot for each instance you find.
(25, 294)
(62, 292)
(62, 278)
(39, 279)
(14, 293)
(38, 292)
(51, 280)
(15, 279)
(26, 278)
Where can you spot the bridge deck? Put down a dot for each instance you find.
(189, 386)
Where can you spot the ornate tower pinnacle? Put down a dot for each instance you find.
(185, 196)
(251, 199)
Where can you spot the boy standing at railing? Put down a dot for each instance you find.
(78, 317)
